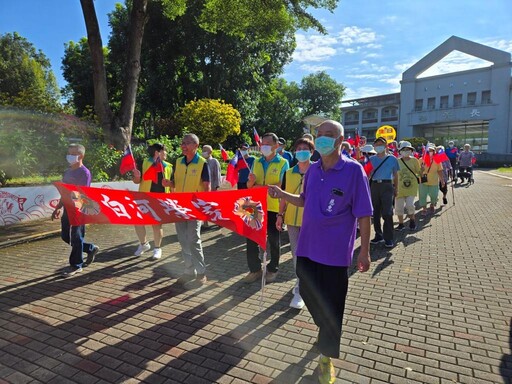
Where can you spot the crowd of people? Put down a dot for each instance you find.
(325, 192)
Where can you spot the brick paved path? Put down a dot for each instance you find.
(435, 309)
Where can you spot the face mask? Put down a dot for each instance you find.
(72, 159)
(380, 149)
(325, 145)
(406, 153)
(266, 150)
(244, 153)
(205, 154)
(302, 156)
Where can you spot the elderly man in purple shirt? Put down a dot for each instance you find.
(336, 199)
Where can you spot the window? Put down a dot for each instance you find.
(444, 102)
(352, 116)
(418, 105)
(431, 103)
(457, 100)
(486, 97)
(471, 98)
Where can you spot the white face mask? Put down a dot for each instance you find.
(205, 154)
(380, 148)
(72, 159)
(266, 150)
(244, 153)
(406, 153)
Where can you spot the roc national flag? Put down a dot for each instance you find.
(236, 164)
(127, 161)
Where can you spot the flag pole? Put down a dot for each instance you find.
(453, 191)
(263, 274)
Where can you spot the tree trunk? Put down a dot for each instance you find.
(118, 129)
(138, 19)
(99, 76)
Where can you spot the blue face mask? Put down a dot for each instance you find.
(325, 145)
(302, 155)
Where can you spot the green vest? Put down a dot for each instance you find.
(187, 178)
(145, 185)
(294, 185)
(271, 176)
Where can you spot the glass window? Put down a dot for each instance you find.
(431, 103)
(471, 98)
(444, 101)
(418, 105)
(457, 100)
(486, 97)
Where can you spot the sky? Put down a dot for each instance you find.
(368, 46)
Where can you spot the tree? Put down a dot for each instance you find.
(267, 19)
(211, 120)
(321, 95)
(26, 77)
(279, 110)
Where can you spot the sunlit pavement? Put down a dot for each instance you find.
(437, 308)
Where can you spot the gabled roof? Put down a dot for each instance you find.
(455, 43)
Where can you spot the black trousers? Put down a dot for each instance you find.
(324, 290)
(382, 201)
(274, 241)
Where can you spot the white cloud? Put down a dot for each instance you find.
(355, 35)
(315, 68)
(314, 48)
(455, 62)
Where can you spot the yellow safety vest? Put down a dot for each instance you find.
(294, 185)
(187, 178)
(271, 176)
(145, 185)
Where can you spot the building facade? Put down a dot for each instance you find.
(471, 106)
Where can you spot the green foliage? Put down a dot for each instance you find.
(211, 120)
(26, 76)
(321, 95)
(35, 143)
(172, 146)
(280, 110)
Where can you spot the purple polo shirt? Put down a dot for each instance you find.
(79, 176)
(333, 201)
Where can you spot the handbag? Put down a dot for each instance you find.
(424, 178)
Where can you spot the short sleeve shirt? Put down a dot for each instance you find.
(333, 201)
(408, 177)
(387, 170)
(78, 176)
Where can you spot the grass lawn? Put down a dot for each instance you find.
(505, 169)
(31, 180)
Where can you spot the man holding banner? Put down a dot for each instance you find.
(151, 180)
(191, 174)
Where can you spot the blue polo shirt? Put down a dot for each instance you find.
(387, 170)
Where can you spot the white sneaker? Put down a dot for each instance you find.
(297, 302)
(157, 254)
(142, 248)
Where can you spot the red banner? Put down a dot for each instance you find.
(242, 211)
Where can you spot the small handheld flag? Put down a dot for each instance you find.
(223, 153)
(236, 164)
(153, 171)
(256, 136)
(127, 161)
